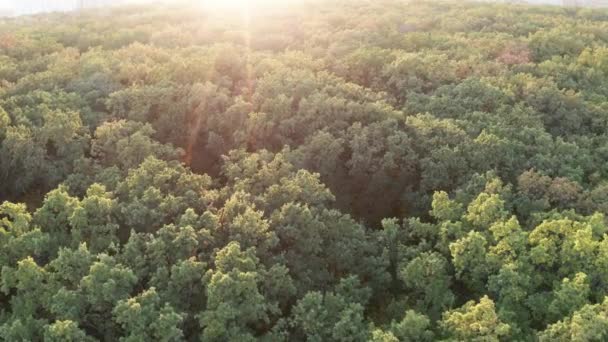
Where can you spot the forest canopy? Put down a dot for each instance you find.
(347, 171)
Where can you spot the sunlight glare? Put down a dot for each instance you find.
(229, 4)
(244, 4)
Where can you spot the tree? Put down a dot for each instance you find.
(238, 296)
(413, 327)
(485, 210)
(54, 217)
(127, 144)
(428, 277)
(106, 283)
(158, 192)
(145, 318)
(475, 322)
(93, 220)
(469, 259)
(571, 295)
(586, 324)
(18, 237)
(333, 316)
(445, 209)
(65, 331)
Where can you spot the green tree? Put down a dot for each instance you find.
(144, 318)
(475, 322)
(428, 277)
(65, 331)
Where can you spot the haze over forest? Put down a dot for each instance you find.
(21, 7)
(344, 170)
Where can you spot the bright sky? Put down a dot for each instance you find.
(37, 6)
(231, 3)
(244, 4)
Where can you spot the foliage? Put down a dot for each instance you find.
(324, 171)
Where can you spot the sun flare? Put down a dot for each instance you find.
(236, 4)
(226, 4)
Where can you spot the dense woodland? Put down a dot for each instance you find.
(346, 171)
